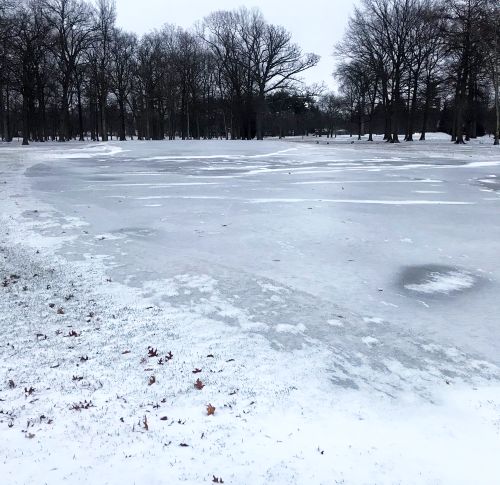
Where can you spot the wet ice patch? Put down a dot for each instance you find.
(490, 184)
(135, 232)
(39, 170)
(435, 280)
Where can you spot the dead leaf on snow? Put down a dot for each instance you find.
(152, 352)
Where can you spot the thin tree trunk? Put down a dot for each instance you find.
(25, 117)
(80, 113)
(122, 119)
(496, 83)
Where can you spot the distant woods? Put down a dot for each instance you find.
(411, 66)
(67, 71)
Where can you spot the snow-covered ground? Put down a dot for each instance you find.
(338, 303)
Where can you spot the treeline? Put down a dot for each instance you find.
(404, 66)
(411, 66)
(68, 72)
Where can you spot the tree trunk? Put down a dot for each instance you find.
(412, 110)
(26, 122)
(64, 130)
(80, 113)
(102, 118)
(496, 83)
(122, 119)
(259, 116)
(6, 119)
(426, 109)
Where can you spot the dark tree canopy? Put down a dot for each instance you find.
(420, 65)
(403, 67)
(67, 71)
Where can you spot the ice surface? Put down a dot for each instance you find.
(347, 292)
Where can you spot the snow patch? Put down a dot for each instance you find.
(443, 283)
(369, 341)
(293, 329)
(334, 322)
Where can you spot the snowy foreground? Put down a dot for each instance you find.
(338, 303)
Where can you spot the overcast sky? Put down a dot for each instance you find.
(316, 25)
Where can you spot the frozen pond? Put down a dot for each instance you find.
(405, 234)
(337, 304)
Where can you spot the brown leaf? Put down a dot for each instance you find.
(164, 418)
(60, 311)
(199, 385)
(210, 410)
(152, 352)
(126, 352)
(152, 380)
(82, 405)
(196, 371)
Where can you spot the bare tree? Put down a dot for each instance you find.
(71, 22)
(274, 60)
(105, 19)
(122, 70)
(463, 37)
(257, 59)
(492, 49)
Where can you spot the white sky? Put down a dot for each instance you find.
(316, 25)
